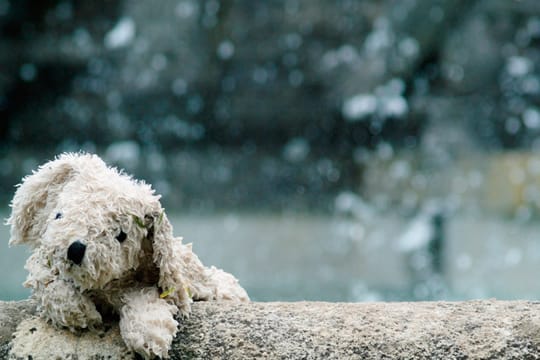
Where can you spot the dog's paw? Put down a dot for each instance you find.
(77, 317)
(150, 337)
(66, 307)
(147, 324)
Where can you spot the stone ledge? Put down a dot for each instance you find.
(309, 330)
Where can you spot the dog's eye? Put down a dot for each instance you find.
(121, 237)
(58, 216)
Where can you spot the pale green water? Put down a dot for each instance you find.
(11, 266)
(301, 257)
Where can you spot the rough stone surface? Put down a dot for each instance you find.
(35, 339)
(11, 314)
(485, 329)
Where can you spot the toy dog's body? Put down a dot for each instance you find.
(103, 244)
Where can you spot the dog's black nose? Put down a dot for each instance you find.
(76, 252)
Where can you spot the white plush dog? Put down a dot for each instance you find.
(102, 244)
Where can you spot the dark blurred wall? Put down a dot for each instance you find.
(284, 77)
(235, 70)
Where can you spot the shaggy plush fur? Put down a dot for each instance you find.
(102, 243)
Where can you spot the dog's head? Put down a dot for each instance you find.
(92, 223)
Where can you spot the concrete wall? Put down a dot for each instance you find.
(308, 330)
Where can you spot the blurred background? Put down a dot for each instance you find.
(319, 150)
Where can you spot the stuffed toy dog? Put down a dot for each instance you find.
(102, 244)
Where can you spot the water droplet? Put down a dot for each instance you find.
(359, 107)
(293, 41)
(125, 153)
(186, 9)
(121, 35)
(296, 150)
(225, 50)
(395, 106)
(512, 125)
(409, 47)
(518, 66)
(531, 118)
(159, 62)
(28, 72)
(179, 87)
(260, 75)
(296, 78)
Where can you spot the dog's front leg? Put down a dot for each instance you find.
(66, 306)
(147, 322)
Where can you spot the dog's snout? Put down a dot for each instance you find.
(76, 252)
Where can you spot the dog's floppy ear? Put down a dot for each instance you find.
(167, 259)
(37, 192)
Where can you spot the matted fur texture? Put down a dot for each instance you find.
(126, 260)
